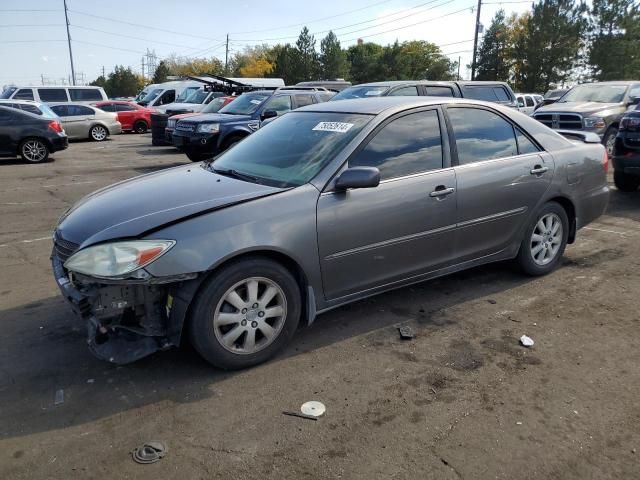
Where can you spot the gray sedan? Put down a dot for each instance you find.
(83, 121)
(329, 204)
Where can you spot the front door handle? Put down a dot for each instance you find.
(538, 170)
(442, 191)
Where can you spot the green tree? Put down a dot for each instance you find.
(122, 82)
(161, 73)
(364, 59)
(494, 54)
(99, 82)
(194, 66)
(420, 60)
(333, 59)
(614, 49)
(284, 63)
(547, 44)
(308, 64)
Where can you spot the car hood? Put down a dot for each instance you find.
(180, 116)
(129, 209)
(219, 118)
(584, 108)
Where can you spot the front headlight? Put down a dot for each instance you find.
(208, 128)
(118, 258)
(594, 122)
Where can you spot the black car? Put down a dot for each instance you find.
(496, 92)
(626, 159)
(31, 136)
(204, 136)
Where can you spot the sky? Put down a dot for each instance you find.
(119, 32)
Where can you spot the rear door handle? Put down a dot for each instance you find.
(537, 170)
(442, 191)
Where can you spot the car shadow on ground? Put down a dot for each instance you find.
(47, 353)
(624, 204)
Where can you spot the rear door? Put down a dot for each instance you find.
(372, 237)
(501, 175)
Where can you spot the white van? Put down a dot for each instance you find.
(168, 92)
(56, 94)
(145, 91)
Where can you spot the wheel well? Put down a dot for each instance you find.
(35, 137)
(233, 136)
(99, 125)
(141, 120)
(571, 214)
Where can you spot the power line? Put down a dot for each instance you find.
(109, 46)
(129, 36)
(143, 26)
(34, 25)
(24, 10)
(32, 41)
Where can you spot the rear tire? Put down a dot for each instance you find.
(34, 150)
(98, 133)
(625, 182)
(140, 127)
(245, 313)
(609, 141)
(544, 240)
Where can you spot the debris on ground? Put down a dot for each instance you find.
(518, 423)
(526, 341)
(406, 333)
(492, 301)
(59, 399)
(313, 408)
(149, 452)
(300, 415)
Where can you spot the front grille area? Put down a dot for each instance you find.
(186, 127)
(171, 123)
(63, 248)
(563, 121)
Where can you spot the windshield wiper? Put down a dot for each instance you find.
(230, 172)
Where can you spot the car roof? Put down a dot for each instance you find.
(611, 82)
(23, 112)
(22, 102)
(376, 105)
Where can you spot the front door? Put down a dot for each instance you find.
(369, 238)
(501, 177)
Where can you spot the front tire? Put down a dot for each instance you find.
(34, 150)
(140, 127)
(98, 133)
(544, 241)
(245, 313)
(625, 182)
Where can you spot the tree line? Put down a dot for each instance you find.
(556, 42)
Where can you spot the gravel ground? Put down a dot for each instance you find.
(461, 400)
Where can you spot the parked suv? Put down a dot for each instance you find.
(626, 158)
(593, 107)
(496, 92)
(204, 136)
(213, 107)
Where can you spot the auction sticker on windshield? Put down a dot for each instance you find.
(339, 127)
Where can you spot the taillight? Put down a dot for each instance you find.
(629, 124)
(55, 126)
(605, 162)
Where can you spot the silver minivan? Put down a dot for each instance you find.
(55, 94)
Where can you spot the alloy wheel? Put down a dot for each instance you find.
(98, 133)
(610, 143)
(250, 315)
(546, 239)
(34, 151)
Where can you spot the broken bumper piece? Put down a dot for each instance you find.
(127, 320)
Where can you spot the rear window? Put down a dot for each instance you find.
(487, 93)
(53, 94)
(84, 94)
(30, 108)
(439, 91)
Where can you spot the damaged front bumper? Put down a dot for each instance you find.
(128, 319)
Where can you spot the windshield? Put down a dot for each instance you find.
(245, 104)
(8, 91)
(198, 97)
(292, 150)
(141, 95)
(214, 106)
(360, 92)
(186, 93)
(151, 96)
(46, 111)
(595, 93)
(555, 93)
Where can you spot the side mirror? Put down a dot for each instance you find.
(358, 177)
(268, 114)
(633, 101)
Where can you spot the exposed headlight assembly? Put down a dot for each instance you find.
(208, 128)
(594, 122)
(117, 259)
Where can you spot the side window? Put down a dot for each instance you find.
(78, 111)
(281, 104)
(53, 94)
(405, 92)
(304, 100)
(124, 108)
(407, 145)
(481, 135)
(480, 93)
(60, 110)
(501, 94)
(634, 91)
(439, 91)
(530, 102)
(520, 101)
(84, 94)
(110, 107)
(168, 97)
(24, 94)
(524, 144)
(30, 108)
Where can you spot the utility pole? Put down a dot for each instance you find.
(226, 57)
(475, 42)
(42, 78)
(66, 16)
(143, 68)
(103, 72)
(459, 60)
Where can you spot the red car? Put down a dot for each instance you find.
(133, 117)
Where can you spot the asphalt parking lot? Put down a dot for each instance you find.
(461, 400)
